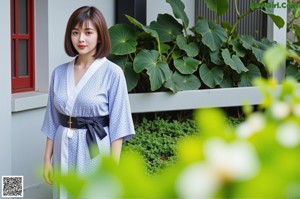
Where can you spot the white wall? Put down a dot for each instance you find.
(28, 144)
(41, 46)
(5, 90)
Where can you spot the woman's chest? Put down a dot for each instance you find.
(92, 96)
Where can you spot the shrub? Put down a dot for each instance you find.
(156, 140)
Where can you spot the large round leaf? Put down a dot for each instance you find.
(258, 53)
(123, 39)
(180, 82)
(247, 77)
(191, 49)
(247, 41)
(218, 6)
(238, 48)
(157, 70)
(187, 65)
(131, 76)
(257, 47)
(213, 35)
(178, 11)
(250, 43)
(215, 57)
(148, 30)
(233, 61)
(167, 27)
(226, 83)
(279, 22)
(211, 77)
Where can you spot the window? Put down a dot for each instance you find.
(22, 45)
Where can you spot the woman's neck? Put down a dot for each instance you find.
(84, 61)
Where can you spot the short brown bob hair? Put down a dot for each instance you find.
(80, 16)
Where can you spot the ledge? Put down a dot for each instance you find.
(194, 99)
(28, 100)
(160, 101)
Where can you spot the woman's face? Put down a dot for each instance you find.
(85, 38)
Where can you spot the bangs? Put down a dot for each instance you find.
(82, 19)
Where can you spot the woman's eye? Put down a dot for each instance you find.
(89, 33)
(74, 33)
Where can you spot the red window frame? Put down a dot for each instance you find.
(22, 83)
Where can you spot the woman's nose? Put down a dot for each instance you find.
(81, 37)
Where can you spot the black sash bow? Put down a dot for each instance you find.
(94, 126)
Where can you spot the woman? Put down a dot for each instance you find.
(88, 113)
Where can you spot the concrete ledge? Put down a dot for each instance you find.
(161, 101)
(28, 100)
(193, 99)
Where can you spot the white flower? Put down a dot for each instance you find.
(197, 181)
(244, 130)
(280, 110)
(288, 134)
(253, 124)
(235, 161)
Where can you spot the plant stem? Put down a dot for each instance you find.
(236, 9)
(130, 56)
(240, 17)
(186, 34)
(237, 22)
(168, 56)
(158, 48)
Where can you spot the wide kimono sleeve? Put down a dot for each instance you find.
(120, 118)
(51, 121)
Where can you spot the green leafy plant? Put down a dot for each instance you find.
(168, 55)
(293, 28)
(257, 159)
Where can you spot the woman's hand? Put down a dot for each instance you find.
(48, 168)
(48, 172)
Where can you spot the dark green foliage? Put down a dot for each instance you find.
(168, 55)
(234, 121)
(156, 140)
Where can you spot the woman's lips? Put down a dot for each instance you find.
(81, 46)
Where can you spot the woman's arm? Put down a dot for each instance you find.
(48, 168)
(116, 148)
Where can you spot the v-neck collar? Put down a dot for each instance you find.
(73, 90)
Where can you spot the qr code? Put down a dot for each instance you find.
(12, 186)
